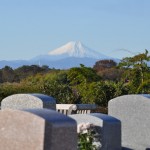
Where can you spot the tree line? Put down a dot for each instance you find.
(8, 74)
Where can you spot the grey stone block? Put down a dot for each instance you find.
(134, 113)
(36, 129)
(21, 101)
(108, 127)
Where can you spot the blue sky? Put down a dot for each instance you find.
(32, 27)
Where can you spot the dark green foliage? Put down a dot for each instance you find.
(61, 92)
(82, 74)
(57, 86)
(26, 71)
(94, 92)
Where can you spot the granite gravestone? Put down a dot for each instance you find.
(21, 101)
(109, 129)
(36, 129)
(134, 113)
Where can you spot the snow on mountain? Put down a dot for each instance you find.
(76, 49)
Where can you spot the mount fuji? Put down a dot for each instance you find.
(69, 55)
(76, 49)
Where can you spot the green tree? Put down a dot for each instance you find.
(8, 74)
(57, 85)
(26, 71)
(137, 68)
(98, 92)
(78, 75)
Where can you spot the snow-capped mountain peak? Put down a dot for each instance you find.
(76, 49)
(67, 56)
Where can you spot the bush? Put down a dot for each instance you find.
(96, 92)
(144, 88)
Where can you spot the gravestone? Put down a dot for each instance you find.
(22, 101)
(36, 129)
(134, 113)
(109, 129)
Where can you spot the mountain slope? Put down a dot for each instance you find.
(76, 49)
(67, 63)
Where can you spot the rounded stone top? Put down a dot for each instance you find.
(22, 101)
(132, 96)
